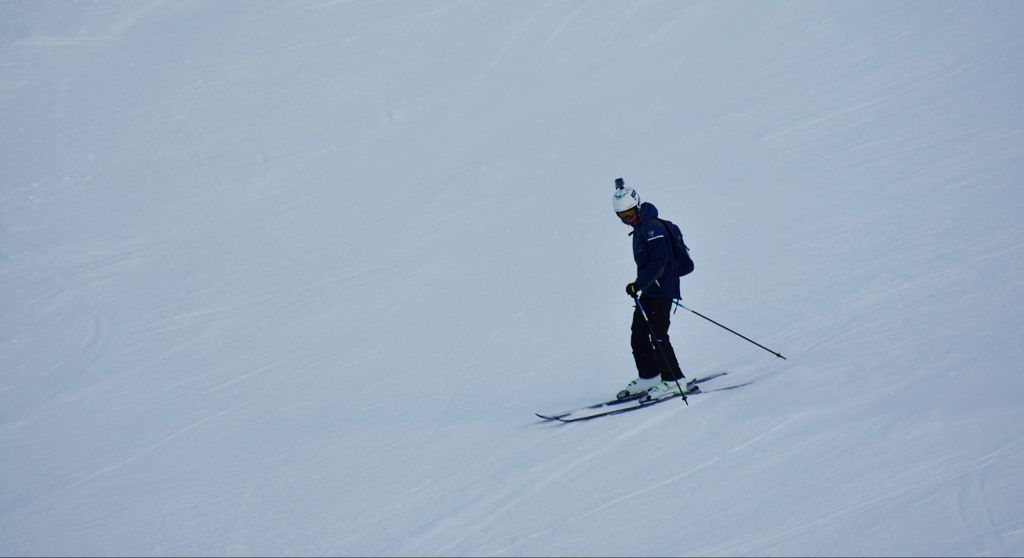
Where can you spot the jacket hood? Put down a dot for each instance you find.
(647, 212)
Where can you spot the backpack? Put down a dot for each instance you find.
(682, 264)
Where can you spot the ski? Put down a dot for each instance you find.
(638, 404)
(618, 403)
(611, 403)
(696, 390)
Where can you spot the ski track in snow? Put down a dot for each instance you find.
(767, 433)
(45, 42)
(561, 525)
(999, 531)
(920, 488)
(644, 426)
(90, 349)
(466, 524)
(146, 451)
(827, 117)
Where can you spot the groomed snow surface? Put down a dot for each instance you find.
(292, 277)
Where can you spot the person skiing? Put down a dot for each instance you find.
(655, 287)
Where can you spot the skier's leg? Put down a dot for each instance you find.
(659, 313)
(643, 352)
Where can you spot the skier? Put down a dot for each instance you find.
(657, 286)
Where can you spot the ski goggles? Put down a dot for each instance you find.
(629, 214)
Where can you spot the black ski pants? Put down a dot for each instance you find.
(651, 358)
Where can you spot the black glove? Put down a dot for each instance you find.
(631, 290)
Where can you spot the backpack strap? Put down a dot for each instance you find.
(671, 239)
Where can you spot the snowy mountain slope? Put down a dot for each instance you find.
(292, 277)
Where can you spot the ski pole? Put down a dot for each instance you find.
(679, 304)
(658, 346)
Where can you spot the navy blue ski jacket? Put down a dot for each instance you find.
(652, 251)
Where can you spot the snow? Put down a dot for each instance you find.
(291, 278)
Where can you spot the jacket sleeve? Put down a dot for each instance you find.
(656, 238)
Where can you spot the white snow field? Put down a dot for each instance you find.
(292, 277)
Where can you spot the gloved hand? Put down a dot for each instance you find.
(631, 290)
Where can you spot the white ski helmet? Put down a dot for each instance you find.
(624, 198)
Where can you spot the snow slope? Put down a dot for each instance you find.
(291, 278)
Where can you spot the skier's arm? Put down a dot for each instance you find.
(660, 252)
